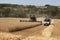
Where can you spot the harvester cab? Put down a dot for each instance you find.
(47, 21)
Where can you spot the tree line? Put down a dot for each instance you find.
(11, 10)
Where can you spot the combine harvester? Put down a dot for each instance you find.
(45, 21)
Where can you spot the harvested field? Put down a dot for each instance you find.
(30, 32)
(56, 31)
(41, 38)
(47, 32)
(36, 32)
(14, 24)
(9, 36)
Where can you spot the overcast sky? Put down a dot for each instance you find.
(32, 2)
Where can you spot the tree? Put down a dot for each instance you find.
(47, 5)
(52, 10)
(7, 11)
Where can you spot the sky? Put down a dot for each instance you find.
(32, 2)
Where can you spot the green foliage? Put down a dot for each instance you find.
(52, 10)
(10, 10)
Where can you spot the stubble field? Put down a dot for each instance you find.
(13, 29)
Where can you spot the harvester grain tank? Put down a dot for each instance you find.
(33, 18)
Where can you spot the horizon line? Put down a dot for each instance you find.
(28, 4)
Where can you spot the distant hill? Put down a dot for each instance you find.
(14, 10)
